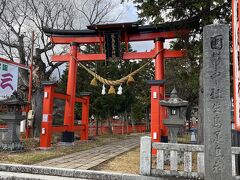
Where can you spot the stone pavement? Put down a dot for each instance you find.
(30, 172)
(90, 158)
(28, 176)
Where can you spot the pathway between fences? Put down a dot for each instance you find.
(90, 158)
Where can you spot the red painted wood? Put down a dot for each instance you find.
(117, 129)
(80, 57)
(129, 37)
(80, 40)
(61, 96)
(85, 118)
(71, 90)
(45, 139)
(153, 36)
(80, 100)
(174, 53)
(139, 55)
(59, 129)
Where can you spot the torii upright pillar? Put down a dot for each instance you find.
(68, 136)
(158, 130)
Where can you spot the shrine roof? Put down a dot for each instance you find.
(129, 27)
(113, 26)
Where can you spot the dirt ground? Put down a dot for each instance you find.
(125, 163)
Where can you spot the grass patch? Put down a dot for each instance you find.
(32, 154)
(126, 163)
(185, 138)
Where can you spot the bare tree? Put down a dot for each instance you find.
(97, 11)
(18, 18)
(2, 6)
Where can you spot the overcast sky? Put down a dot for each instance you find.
(129, 14)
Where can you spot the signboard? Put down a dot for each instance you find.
(8, 79)
(236, 63)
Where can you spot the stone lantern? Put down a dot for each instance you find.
(176, 114)
(12, 118)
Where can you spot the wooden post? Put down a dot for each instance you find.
(85, 117)
(71, 91)
(46, 130)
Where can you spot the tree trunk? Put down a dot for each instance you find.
(133, 125)
(188, 116)
(37, 100)
(126, 121)
(39, 75)
(101, 126)
(97, 126)
(147, 119)
(122, 123)
(110, 125)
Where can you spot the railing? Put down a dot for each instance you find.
(47, 128)
(176, 160)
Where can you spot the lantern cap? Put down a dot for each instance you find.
(174, 93)
(174, 100)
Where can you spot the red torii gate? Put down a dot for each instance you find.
(96, 35)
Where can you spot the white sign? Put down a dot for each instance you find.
(45, 118)
(154, 95)
(155, 135)
(8, 80)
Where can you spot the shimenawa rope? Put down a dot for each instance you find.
(119, 81)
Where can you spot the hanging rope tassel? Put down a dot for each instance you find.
(94, 82)
(130, 80)
(111, 90)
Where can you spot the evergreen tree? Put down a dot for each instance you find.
(184, 73)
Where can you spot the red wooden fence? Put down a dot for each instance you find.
(117, 129)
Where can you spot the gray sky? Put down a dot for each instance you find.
(128, 14)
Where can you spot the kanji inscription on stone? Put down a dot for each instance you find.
(217, 119)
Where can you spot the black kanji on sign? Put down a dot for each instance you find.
(5, 67)
(217, 42)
